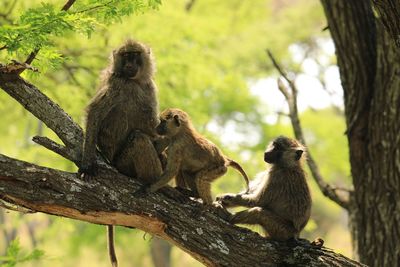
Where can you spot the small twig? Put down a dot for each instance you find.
(10, 206)
(290, 95)
(55, 147)
(95, 7)
(280, 70)
(68, 5)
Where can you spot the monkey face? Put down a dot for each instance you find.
(173, 121)
(128, 63)
(283, 151)
(169, 125)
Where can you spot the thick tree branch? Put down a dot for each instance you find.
(108, 199)
(44, 109)
(340, 196)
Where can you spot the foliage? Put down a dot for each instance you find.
(37, 27)
(15, 255)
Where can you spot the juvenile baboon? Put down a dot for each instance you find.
(121, 119)
(279, 199)
(193, 160)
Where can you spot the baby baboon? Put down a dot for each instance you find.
(279, 199)
(121, 119)
(194, 161)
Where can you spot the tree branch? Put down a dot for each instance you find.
(44, 109)
(108, 199)
(57, 148)
(339, 196)
(68, 5)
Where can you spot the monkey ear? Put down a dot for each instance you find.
(177, 120)
(299, 152)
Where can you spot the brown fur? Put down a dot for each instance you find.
(122, 116)
(121, 119)
(194, 161)
(279, 199)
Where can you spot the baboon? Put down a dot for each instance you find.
(193, 160)
(121, 119)
(279, 199)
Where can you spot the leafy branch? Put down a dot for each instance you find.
(36, 28)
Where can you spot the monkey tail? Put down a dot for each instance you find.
(111, 247)
(239, 168)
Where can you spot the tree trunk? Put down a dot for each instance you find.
(389, 12)
(369, 64)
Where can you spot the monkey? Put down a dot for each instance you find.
(121, 119)
(278, 199)
(193, 160)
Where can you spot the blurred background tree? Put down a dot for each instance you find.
(211, 62)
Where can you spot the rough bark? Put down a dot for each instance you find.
(108, 199)
(369, 65)
(389, 12)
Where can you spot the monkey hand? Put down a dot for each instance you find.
(87, 170)
(227, 200)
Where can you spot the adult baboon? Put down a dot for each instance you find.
(121, 119)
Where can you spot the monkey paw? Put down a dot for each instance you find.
(227, 199)
(87, 171)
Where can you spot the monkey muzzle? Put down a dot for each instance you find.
(130, 70)
(161, 129)
(271, 156)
